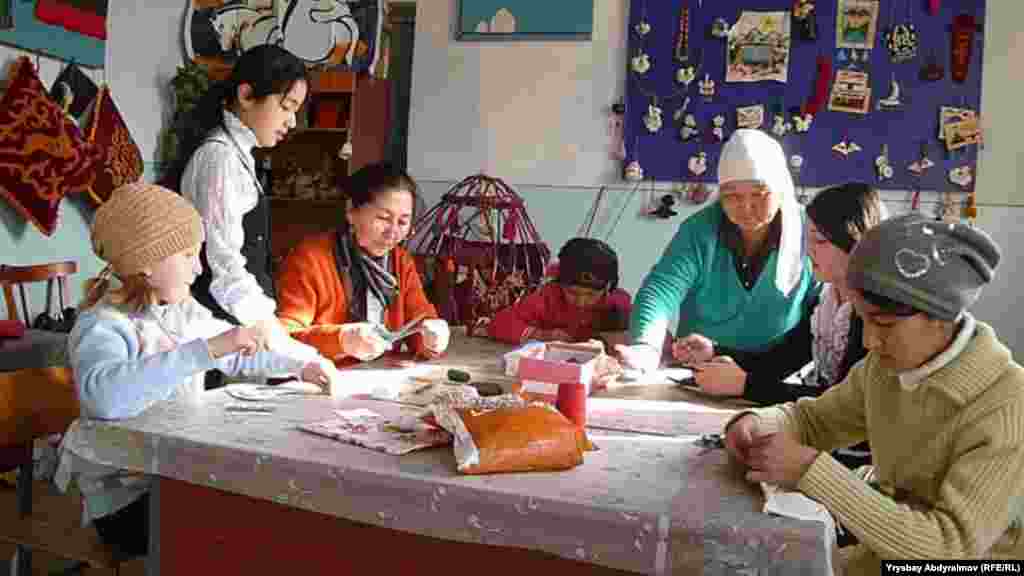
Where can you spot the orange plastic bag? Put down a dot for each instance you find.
(507, 434)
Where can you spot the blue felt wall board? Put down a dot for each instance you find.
(663, 155)
(32, 35)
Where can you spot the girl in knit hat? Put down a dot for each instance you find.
(215, 169)
(938, 396)
(583, 303)
(146, 341)
(736, 271)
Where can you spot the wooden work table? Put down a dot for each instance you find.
(249, 493)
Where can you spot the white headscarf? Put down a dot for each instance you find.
(754, 155)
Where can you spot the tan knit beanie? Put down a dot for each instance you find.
(141, 224)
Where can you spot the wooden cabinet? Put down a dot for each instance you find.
(307, 171)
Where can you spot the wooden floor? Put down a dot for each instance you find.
(43, 565)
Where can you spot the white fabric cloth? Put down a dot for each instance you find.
(220, 183)
(754, 155)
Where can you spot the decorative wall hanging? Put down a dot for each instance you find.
(856, 23)
(866, 104)
(682, 51)
(964, 27)
(954, 115)
(525, 20)
(707, 88)
(73, 91)
(805, 20)
(43, 156)
(338, 33)
(882, 166)
(65, 38)
(758, 48)
(902, 39)
(963, 133)
(851, 92)
(121, 162)
(892, 101)
(698, 164)
(750, 116)
(962, 176)
(633, 172)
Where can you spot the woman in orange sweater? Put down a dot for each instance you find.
(335, 289)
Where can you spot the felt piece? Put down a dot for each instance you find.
(73, 90)
(122, 159)
(86, 17)
(43, 156)
(963, 39)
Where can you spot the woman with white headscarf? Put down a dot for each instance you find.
(736, 271)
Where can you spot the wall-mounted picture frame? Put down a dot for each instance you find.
(519, 20)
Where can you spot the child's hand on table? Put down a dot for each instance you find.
(244, 339)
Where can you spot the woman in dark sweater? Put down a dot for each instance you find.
(829, 334)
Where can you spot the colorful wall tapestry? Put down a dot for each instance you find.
(43, 156)
(34, 35)
(122, 160)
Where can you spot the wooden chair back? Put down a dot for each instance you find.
(54, 273)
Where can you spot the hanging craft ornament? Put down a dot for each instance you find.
(750, 116)
(920, 166)
(718, 127)
(686, 74)
(634, 173)
(804, 20)
(802, 122)
(820, 95)
(698, 164)
(892, 101)
(779, 125)
(961, 176)
(652, 120)
(964, 27)
(902, 40)
(882, 166)
(640, 63)
(946, 212)
(845, 147)
(642, 28)
(689, 129)
(720, 28)
(707, 87)
(682, 51)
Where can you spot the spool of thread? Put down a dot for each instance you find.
(572, 403)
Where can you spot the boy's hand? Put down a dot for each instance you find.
(693, 349)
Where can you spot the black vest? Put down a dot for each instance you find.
(255, 249)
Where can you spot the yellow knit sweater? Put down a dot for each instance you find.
(949, 458)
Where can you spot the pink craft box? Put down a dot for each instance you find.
(541, 373)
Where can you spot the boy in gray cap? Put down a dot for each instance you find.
(938, 397)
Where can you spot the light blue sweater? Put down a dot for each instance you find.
(124, 364)
(697, 276)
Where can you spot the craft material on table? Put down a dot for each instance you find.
(262, 392)
(795, 505)
(411, 327)
(366, 428)
(250, 407)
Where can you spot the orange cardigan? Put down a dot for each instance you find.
(312, 298)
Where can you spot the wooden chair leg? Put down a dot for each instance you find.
(22, 555)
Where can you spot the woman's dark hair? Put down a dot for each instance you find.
(267, 68)
(372, 180)
(844, 213)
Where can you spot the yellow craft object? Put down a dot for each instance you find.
(10, 478)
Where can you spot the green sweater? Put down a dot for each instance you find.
(948, 456)
(697, 276)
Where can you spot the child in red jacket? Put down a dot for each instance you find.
(582, 303)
